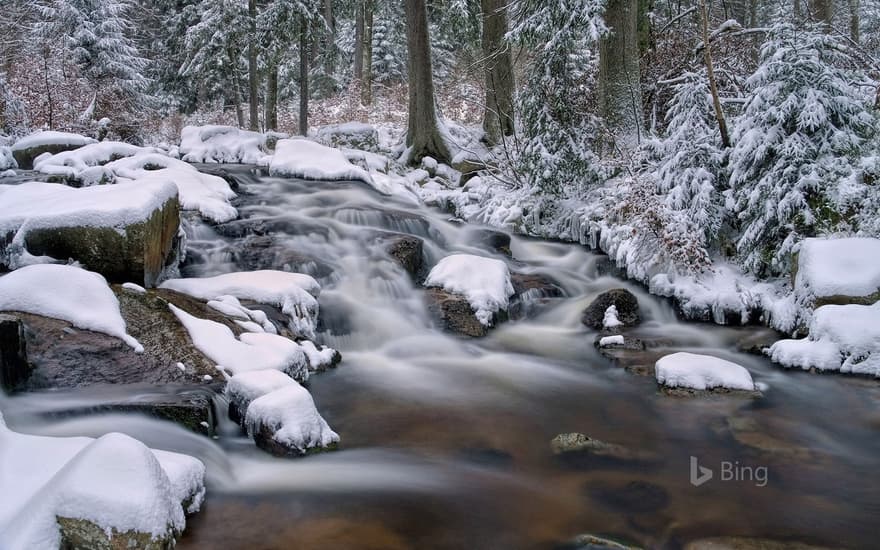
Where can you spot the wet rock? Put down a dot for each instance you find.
(531, 291)
(399, 221)
(82, 534)
(635, 497)
(257, 252)
(407, 252)
(455, 314)
(241, 228)
(14, 367)
(750, 432)
(592, 542)
(493, 240)
(264, 438)
(627, 308)
(748, 543)
(756, 341)
(578, 445)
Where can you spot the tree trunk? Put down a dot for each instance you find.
(236, 89)
(359, 43)
(854, 22)
(331, 37)
(272, 97)
(620, 97)
(304, 78)
(253, 84)
(367, 62)
(498, 115)
(423, 133)
(710, 73)
(822, 11)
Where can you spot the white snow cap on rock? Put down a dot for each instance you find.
(114, 482)
(701, 372)
(290, 413)
(294, 293)
(209, 144)
(75, 163)
(839, 267)
(305, 159)
(7, 161)
(609, 341)
(842, 338)
(68, 293)
(40, 139)
(610, 320)
(484, 282)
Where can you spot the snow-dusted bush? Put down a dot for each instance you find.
(797, 146)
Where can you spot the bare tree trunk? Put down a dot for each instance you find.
(710, 72)
(797, 13)
(620, 96)
(236, 89)
(498, 115)
(753, 14)
(331, 36)
(367, 63)
(854, 22)
(423, 134)
(359, 43)
(253, 79)
(304, 78)
(822, 11)
(272, 97)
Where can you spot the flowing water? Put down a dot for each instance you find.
(445, 441)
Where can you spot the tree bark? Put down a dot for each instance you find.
(253, 78)
(272, 97)
(710, 73)
(304, 78)
(620, 97)
(236, 89)
(822, 11)
(331, 36)
(854, 21)
(498, 117)
(367, 62)
(359, 43)
(423, 134)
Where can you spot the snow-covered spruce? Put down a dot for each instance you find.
(84, 492)
(294, 293)
(842, 338)
(701, 372)
(209, 144)
(484, 282)
(306, 159)
(68, 293)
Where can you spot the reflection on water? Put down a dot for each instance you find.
(446, 441)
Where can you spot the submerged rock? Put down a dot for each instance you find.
(531, 291)
(627, 309)
(14, 367)
(593, 542)
(494, 240)
(748, 543)
(456, 315)
(570, 445)
(407, 252)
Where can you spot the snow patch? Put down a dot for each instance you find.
(42, 139)
(701, 372)
(484, 282)
(838, 267)
(305, 159)
(222, 144)
(290, 414)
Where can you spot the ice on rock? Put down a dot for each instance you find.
(484, 282)
(68, 293)
(294, 293)
(842, 338)
(839, 267)
(305, 159)
(701, 372)
(114, 482)
(219, 144)
(290, 415)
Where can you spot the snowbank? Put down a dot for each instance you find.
(294, 293)
(7, 161)
(838, 267)
(68, 293)
(114, 482)
(301, 158)
(289, 413)
(484, 282)
(701, 372)
(842, 338)
(218, 144)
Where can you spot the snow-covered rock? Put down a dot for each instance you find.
(701, 372)
(484, 282)
(126, 232)
(222, 144)
(7, 161)
(83, 492)
(352, 135)
(842, 338)
(68, 293)
(29, 148)
(85, 164)
(286, 422)
(611, 320)
(305, 159)
(294, 293)
(609, 341)
(838, 271)
(600, 315)
(231, 307)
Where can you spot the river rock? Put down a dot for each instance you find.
(407, 252)
(28, 148)
(573, 445)
(257, 252)
(82, 534)
(749, 543)
(531, 291)
(14, 366)
(627, 308)
(494, 240)
(593, 542)
(456, 315)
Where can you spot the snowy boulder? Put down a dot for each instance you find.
(838, 271)
(692, 371)
(484, 282)
(246, 386)
(85, 166)
(626, 310)
(126, 232)
(222, 144)
(352, 135)
(285, 422)
(14, 366)
(29, 148)
(842, 338)
(7, 160)
(79, 492)
(308, 160)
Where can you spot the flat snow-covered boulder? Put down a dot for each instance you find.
(85, 165)
(28, 148)
(285, 422)
(65, 292)
(308, 160)
(842, 338)
(352, 135)
(79, 492)
(222, 144)
(702, 372)
(126, 232)
(838, 271)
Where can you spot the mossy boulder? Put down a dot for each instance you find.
(81, 534)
